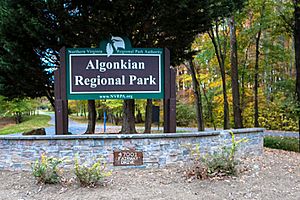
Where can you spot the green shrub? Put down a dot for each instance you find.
(284, 143)
(90, 176)
(223, 163)
(46, 170)
(185, 114)
(219, 164)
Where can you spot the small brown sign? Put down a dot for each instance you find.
(127, 158)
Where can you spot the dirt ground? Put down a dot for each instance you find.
(274, 176)
(6, 121)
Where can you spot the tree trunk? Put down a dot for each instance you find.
(18, 117)
(256, 115)
(237, 113)
(84, 111)
(50, 98)
(77, 108)
(91, 117)
(138, 117)
(148, 117)
(210, 110)
(128, 125)
(197, 93)
(297, 50)
(221, 55)
(243, 86)
(226, 106)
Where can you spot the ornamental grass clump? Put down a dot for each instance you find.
(90, 175)
(46, 170)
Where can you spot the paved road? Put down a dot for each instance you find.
(282, 133)
(79, 128)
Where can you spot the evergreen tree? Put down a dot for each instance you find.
(32, 31)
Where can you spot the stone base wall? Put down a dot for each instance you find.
(159, 150)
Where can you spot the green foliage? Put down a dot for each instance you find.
(90, 176)
(194, 151)
(46, 169)
(277, 106)
(277, 120)
(17, 107)
(112, 107)
(283, 112)
(29, 123)
(2, 105)
(185, 114)
(284, 143)
(33, 31)
(221, 163)
(22, 35)
(235, 144)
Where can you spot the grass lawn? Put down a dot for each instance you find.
(285, 143)
(29, 123)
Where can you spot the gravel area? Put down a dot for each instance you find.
(275, 175)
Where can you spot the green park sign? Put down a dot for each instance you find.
(115, 71)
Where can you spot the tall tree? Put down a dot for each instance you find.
(276, 77)
(22, 49)
(256, 114)
(92, 115)
(256, 72)
(209, 108)
(49, 25)
(128, 117)
(296, 34)
(197, 93)
(220, 46)
(237, 112)
(148, 117)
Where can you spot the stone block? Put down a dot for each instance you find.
(65, 153)
(98, 143)
(157, 151)
(16, 166)
(81, 148)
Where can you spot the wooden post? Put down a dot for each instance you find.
(60, 93)
(172, 101)
(170, 96)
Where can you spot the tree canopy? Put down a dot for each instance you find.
(32, 32)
